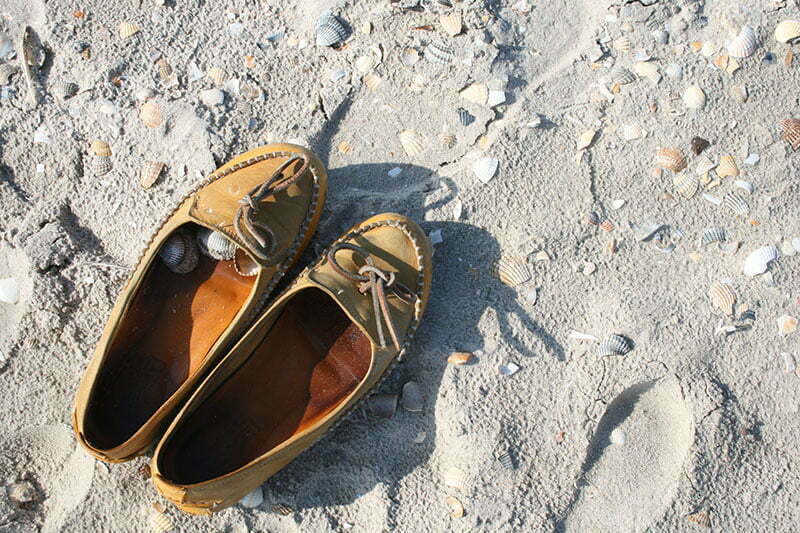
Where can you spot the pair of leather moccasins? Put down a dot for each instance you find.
(231, 392)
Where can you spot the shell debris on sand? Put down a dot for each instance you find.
(9, 291)
(151, 170)
(460, 358)
(614, 345)
(722, 297)
(671, 159)
(512, 271)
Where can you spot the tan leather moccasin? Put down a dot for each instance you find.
(201, 281)
(318, 349)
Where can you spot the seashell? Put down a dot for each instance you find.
(722, 297)
(694, 97)
(787, 31)
(460, 358)
(100, 148)
(383, 405)
(698, 144)
(100, 165)
(593, 218)
(281, 509)
(9, 291)
(345, 147)
(253, 498)
(6, 71)
(704, 165)
(739, 93)
(623, 44)
(464, 117)
(786, 324)
(64, 90)
(511, 271)
(244, 264)
(127, 30)
(179, 252)
(744, 44)
(477, 93)
(614, 345)
(632, 132)
(714, 234)
(413, 143)
(727, 167)
(409, 57)
(507, 459)
(586, 139)
(607, 225)
(735, 203)
(674, 71)
(150, 114)
(439, 52)
(623, 76)
(371, 81)
(365, 63)
(217, 76)
(330, 30)
(412, 400)
(790, 132)
(686, 185)
(150, 173)
(455, 477)
(212, 97)
(455, 507)
(447, 140)
(215, 244)
(451, 23)
(744, 185)
(701, 519)
(159, 522)
(671, 159)
(646, 69)
(618, 437)
(758, 261)
(164, 70)
(485, 168)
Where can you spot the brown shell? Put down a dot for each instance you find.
(459, 358)
(100, 148)
(790, 132)
(671, 159)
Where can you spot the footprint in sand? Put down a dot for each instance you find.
(631, 476)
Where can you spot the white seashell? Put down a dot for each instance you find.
(485, 168)
(9, 291)
(159, 522)
(439, 52)
(674, 71)
(447, 140)
(7, 70)
(412, 399)
(179, 252)
(646, 69)
(409, 57)
(151, 115)
(371, 81)
(715, 234)
(787, 31)
(586, 139)
(253, 498)
(796, 244)
(150, 173)
(330, 30)
(365, 63)
(632, 132)
(618, 437)
(127, 30)
(686, 185)
(477, 93)
(212, 97)
(508, 369)
(495, 98)
(735, 203)
(455, 477)
(623, 44)
(451, 23)
(744, 185)
(744, 44)
(704, 164)
(100, 165)
(694, 97)
(613, 345)
(215, 244)
(739, 93)
(413, 143)
(511, 271)
(455, 507)
(722, 297)
(758, 261)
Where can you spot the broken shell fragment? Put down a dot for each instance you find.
(735, 203)
(722, 297)
(758, 261)
(151, 115)
(212, 97)
(613, 345)
(179, 252)
(447, 140)
(744, 44)
(477, 93)
(383, 405)
(511, 271)
(671, 159)
(586, 139)
(412, 400)
(701, 518)
(455, 507)
(409, 57)
(787, 31)
(159, 522)
(440, 52)
(215, 244)
(786, 324)
(372, 81)
(698, 144)
(507, 459)
(593, 218)
(622, 76)
(252, 499)
(64, 90)
(451, 23)
(460, 358)
(100, 148)
(217, 76)
(150, 173)
(790, 132)
(694, 97)
(727, 167)
(100, 165)
(715, 234)
(413, 143)
(455, 477)
(330, 30)
(485, 168)
(127, 30)
(9, 291)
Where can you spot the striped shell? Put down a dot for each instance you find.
(413, 143)
(372, 81)
(451, 23)
(790, 132)
(671, 159)
(149, 174)
(100, 165)
(151, 115)
(439, 52)
(217, 76)
(727, 167)
(758, 261)
(614, 345)
(447, 140)
(164, 69)
(215, 245)
(179, 252)
(722, 297)
(714, 234)
(686, 185)
(787, 31)
(694, 97)
(477, 93)
(623, 44)
(507, 460)
(607, 225)
(100, 148)
(159, 522)
(511, 271)
(744, 44)
(702, 519)
(735, 203)
(623, 76)
(464, 116)
(127, 30)
(330, 30)
(64, 90)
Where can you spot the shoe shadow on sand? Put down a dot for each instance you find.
(367, 457)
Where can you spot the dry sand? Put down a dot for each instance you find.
(690, 421)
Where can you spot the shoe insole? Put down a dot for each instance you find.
(309, 362)
(171, 324)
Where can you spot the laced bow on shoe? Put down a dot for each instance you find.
(376, 281)
(256, 235)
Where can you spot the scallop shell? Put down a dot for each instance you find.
(151, 115)
(460, 358)
(744, 44)
(330, 30)
(100, 148)
(455, 507)
(383, 405)
(215, 245)
(447, 140)
(464, 116)
(159, 522)
(372, 81)
(623, 76)
(100, 165)
(614, 345)
(439, 52)
(758, 261)
(477, 93)
(412, 399)
(727, 167)
(63, 90)
(345, 147)
(686, 185)
(451, 23)
(787, 31)
(485, 168)
(365, 63)
(164, 69)
(413, 143)
(714, 234)
(722, 297)
(671, 159)
(409, 57)
(252, 499)
(179, 252)
(150, 173)
(127, 30)
(790, 132)
(735, 203)
(217, 76)
(511, 271)
(694, 97)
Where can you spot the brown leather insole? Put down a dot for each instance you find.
(171, 324)
(307, 364)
